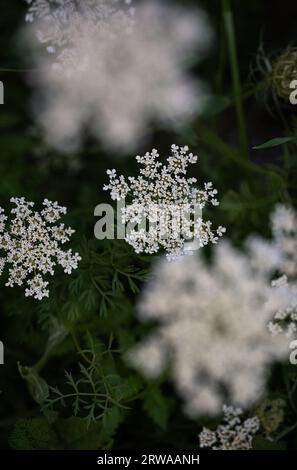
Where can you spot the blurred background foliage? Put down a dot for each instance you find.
(65, 383)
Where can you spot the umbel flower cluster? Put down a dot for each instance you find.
(212, 332)
(285, 320)
(59, 22)
(234, 434)
(164, 197)
(30, 243)
(284, 242)
(102, 81)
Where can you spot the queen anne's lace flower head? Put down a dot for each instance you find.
(116, 69)
(164, 196)
(234, 434)
(30, 243)
(212, 329)
(60, 22)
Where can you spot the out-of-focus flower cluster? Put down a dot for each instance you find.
(285, 320)
(234, 434)
(30, 245)
(212, 331)
(116, 70)
(284, 231)
(58, 23)
(167, 199)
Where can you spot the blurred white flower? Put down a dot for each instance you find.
(58, 23)
(212, 329)
(164, 197)
(282, 252)
(31, 245)
(284, 230)
(285, 319)
(117, 72)
(234, 434)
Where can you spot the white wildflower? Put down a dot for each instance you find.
(59, 23)
(212, 329)
(285, 319)
(284, 230)
(168, 200)
(37, 288)
(3, 219)
(30, 244)
(116, 80)
(234, 434)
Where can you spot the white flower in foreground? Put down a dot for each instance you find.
(168, 200)
(115, 81)
(30, 245)
(212, 327)
(234, 434)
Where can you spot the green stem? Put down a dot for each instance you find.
(285, 432)
(99, 370)
(211, 139)
(43, 361)
(231, 41)
(221, 62)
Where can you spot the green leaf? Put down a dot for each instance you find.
(103, 308)
(156, 406)
(117, 286)
(260, 443)
(33, 434)
(215, 105)
(133, 286)
(58, 333)
(37, 386)
(275, 142)
(128, 388)
(67, 434)
(76, 434)
(111, 421)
